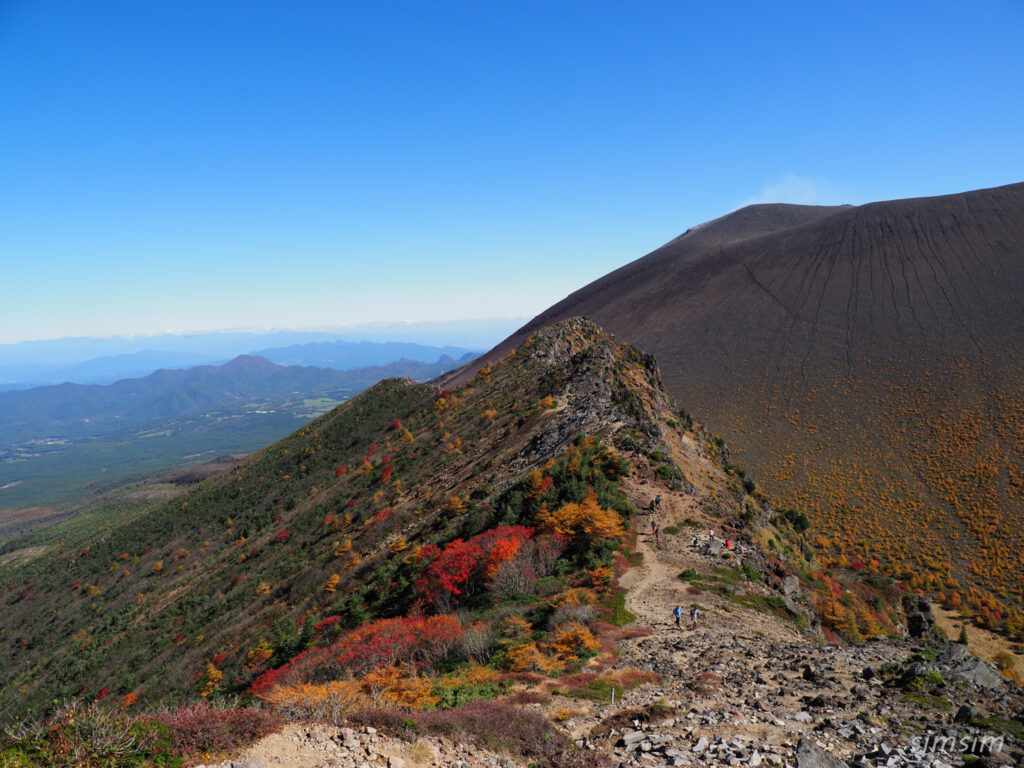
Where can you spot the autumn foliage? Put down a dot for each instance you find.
(586, 520)
(456, 571)
(418, 642)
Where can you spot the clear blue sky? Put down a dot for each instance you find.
(208, 164)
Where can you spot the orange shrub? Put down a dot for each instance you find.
(572, 639)
(587, 519)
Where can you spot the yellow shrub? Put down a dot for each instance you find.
(587, 519)
(213, 680)
(571, 640)
(398, 545)
(600, 576)
(390, 687)
(474, 674)
(526, 658)
(575, 596)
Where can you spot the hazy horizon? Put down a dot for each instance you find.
(364, 331)
(252, 164)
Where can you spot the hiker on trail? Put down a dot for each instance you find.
(694, 542)
(693, 615)
(678, 613)
(654, 526)
(651, 507)
(657, 501)
(728, 543)
(657, 534)
(711, 534)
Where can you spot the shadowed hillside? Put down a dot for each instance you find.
(867, 362)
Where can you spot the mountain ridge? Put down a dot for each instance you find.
(62, 441)
(386, 551)
(892, 328)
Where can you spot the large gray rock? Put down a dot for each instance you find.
(977, 672)
(810, 755)
(791, 586)
(631, 738)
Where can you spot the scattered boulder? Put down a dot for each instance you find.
(965, 714)
(977, 672)
(810, 755)
(791, 586)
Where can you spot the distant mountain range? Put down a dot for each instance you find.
(57, 442)
(867, 363)
(105, 361)
(346, 355)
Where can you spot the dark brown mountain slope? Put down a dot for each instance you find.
(867, 362)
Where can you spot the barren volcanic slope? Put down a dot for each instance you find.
(867, 362)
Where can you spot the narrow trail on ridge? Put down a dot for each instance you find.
(655, 589)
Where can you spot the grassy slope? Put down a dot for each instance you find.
(109, 434)
(246, 554)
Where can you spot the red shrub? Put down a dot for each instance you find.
(418, 640)
(282, 535)
(525, 678)
(201, 729)
(272, 677)
(579, 679)
(462, 565)
(330, 621)
(498, 726)
(103, 693)
(340, 471)
(385, 474)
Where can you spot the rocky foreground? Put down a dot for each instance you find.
(738, 688)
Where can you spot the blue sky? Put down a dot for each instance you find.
(214, 165)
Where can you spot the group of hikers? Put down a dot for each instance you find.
(655, 506)
(677, 612)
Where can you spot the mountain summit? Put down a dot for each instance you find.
(866, 362)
